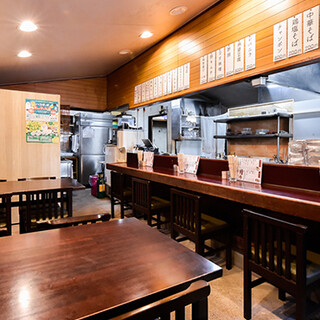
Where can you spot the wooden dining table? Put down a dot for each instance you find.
(98, 270)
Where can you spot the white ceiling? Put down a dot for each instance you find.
(82, 38)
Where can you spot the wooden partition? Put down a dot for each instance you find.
(226, 22)
(19, 159)
(88, 94)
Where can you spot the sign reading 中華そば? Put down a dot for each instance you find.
(42, 121)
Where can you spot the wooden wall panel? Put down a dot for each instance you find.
(19, 159)
(88, 94)
(225, 23)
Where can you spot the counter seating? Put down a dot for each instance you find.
(120, 193)
(149, 206)
(72, 221)
(196, 295)
(276, 250)
(44, 205)
(5, 216)
(187, 219)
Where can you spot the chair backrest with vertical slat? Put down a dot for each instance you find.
(185, 212)
(5, 215)
(44, 205)
(275, 246)
(141, 195)
(117, 184)
(196, 295)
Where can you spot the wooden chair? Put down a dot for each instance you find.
(186, 219)
(5, 215)
(150, 206)
(72, 221)
(120, 194)
(276, 250)
(44, 205)
(196, 295)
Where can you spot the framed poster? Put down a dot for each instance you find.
(42, 121)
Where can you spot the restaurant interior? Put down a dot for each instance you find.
(160, 160)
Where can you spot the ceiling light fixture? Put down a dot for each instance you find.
(24, 54)
(125, 51)
(178, 10)
(28, 26)
(146, 34)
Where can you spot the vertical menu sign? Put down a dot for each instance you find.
(164, 84)
(143, 92)
(311, 29)
(203, 69)
(280, 41)
(169, 81)
(250, 52)
(151, 89)
(229, 60)
(211, 66)
(295, 35)
(180, 78)
(42, 121)
(220, 63)
(186, 76)
(239, 56)
(175, 80)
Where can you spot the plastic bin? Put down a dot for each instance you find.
(93, 183)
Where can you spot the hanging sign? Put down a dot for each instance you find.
(42, 121)
(280, 41)
(250, 52)
(220, 63)
(295, 35)
(239, 56)
(229, 59)
(203, 69)
(211, 66)
(311, 29)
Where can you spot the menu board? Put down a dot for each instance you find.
(250, 55)
(203, 69)
(250, 170)
(220, 63)
(211, 66)
(151, 89)
(280, 41)
(169, 82)
(42, 121)
(239, 56)
(180, 78)
(186, 76)
(175, 80)
(311, 29)
(229, 59)
(295, 35)
(148, 158)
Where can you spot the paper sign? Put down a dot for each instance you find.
(155, 87)
(147, 91)
(180, 78)
(295, 35)
(220, 63)
(186, 76)
(229, 60)
(250, 170)
(311, 29)
(143, 92)
(169, 82)
(250, 51)
(211, 66)
(239, 56)
(164, 84)
(175, 80)
(135, 94)
(151, 89)
(280, 41)
(203, 69)
(159, 86)
(191, 163)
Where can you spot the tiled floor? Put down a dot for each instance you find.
(225, 300)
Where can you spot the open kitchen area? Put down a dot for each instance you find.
(160, 160)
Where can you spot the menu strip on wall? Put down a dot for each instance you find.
(159, 86)
(295, 35)
(250, 52)
(211, 66)
(180, 78)
(186, 76)
(239, 56)
(280, 41)
(229, 59)
(169, 80)
(203, 69)
(311, 29)
(175, 80)
(220, 63)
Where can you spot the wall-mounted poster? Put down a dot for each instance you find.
(295, 35)
(42, 121)
(280, 41)
(250, 52)
(311, 29)
(229, 50)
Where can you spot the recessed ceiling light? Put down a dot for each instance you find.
(28, 26)
(24, 54)
(178, 10)
(125, 51)
(146, 34)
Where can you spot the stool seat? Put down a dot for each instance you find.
(159, 203)
(210, 224)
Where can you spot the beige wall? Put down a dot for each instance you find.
(19, 159)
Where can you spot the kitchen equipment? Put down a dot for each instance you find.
(93, 131)
(66, 168)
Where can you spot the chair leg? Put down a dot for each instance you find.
(247, 291)
(229, 252)
(112, 207)
(301, 305)
(158, 220)
(200, 247)
(122, 209)
(149, 218)
(282, 295)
